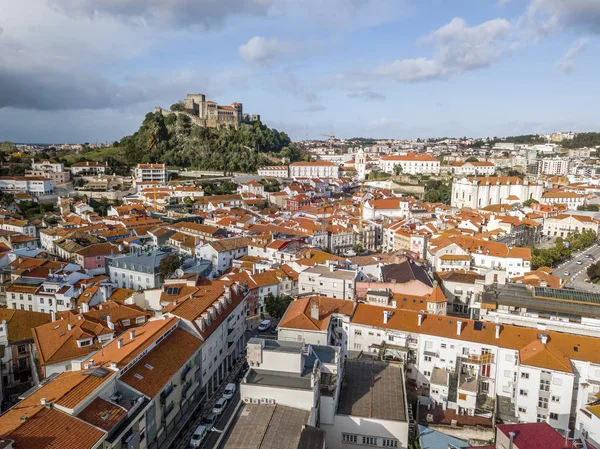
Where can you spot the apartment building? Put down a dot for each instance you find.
(318, 169)
(411, 163)
(473, 168)
(563, 224)
(222, 252)
(534, 375)
(137, 271)
(17, 370)
(327, 280)
(32, 185)
(556, 166)
(152, 173)
(479, 192)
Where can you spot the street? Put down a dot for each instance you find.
(577, 273)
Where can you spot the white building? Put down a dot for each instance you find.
(473, 168)
(529, 369)
(571, 199)
(329, 281)
(274, 171)
(318, 169)
(386, 208)
(152, 173)
(135, 271)
(562, 225)
(222, 252)
(411, 163)
(477, 193)
(556, 166)
(88, 168)
(33, 185)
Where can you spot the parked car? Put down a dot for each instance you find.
(566, 273)
(229, 391)
(220, 405)
(273, 330)
(265, 325)
(579, 262)
(198, 436)
(210, 421)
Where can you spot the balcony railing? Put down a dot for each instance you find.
(479, 359)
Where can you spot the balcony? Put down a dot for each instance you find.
(478, 359)
(166, 395)
(185, 371)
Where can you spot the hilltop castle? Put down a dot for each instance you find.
(211, 115)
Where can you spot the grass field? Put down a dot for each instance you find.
(98, 155)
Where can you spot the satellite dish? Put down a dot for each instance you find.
(179, 273)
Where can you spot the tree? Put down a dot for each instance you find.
(398, 169)
(529, 202)
(168, 265)
(472, 159)
(277, 305)
(590, 207)
(187, 200)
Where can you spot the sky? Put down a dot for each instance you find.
(89, 70)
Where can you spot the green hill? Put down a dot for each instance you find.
(174, 140)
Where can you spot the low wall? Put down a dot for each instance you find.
(474, 435)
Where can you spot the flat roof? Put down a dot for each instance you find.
(266, 426)
(373, 389)
(280, 379)
(277, 345)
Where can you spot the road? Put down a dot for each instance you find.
(221, 423)
(577, 273)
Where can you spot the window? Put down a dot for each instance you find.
(523, 393)
(386, 442)
(544, 385)
(555, 398)
(543, 402)
(522, 410)
(428, 358)
(427, 373)
(542, 418)
(524, 375)
(465, 351)
(357, 332)
(349, 438)
(22, 349)
(372, 441)
(554, 416)
(126, 323)
(485, 387)
(443, 345)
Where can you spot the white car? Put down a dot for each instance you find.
(198, 436)
(264, 326)
(579, 262)
(566, 273)
(229, 391)
(220, 405)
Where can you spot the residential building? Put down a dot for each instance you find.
(564, 224)
(570, 199)
(327, 280)
(411, 164)
(274, 171)
(222, 252)
(152, 173)
(473, 168)
(88, 168)
(318, 169)
(32, 185)
(46, 169)
(554, 166)
(17, 360)
(477, 193)
(386, 208)
(137, 271)
(92, 257)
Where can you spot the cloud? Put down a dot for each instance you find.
(566, 64)
(205, 14)
(458, 49)
(367, 95)
(262, 50)
(547, 16)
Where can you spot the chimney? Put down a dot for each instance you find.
(43, 401)
(110, 324)
(511, 444)
(385, 316)
(69, 327)
(459, 327)
(120, 343)
(85, 307)
(420, 318)
(394, 304)
(498, 329)
(544, 338)
(331, 268)
(91, 363)
(132, 334)
(314, 311)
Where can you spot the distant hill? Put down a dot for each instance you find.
(174, 140)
